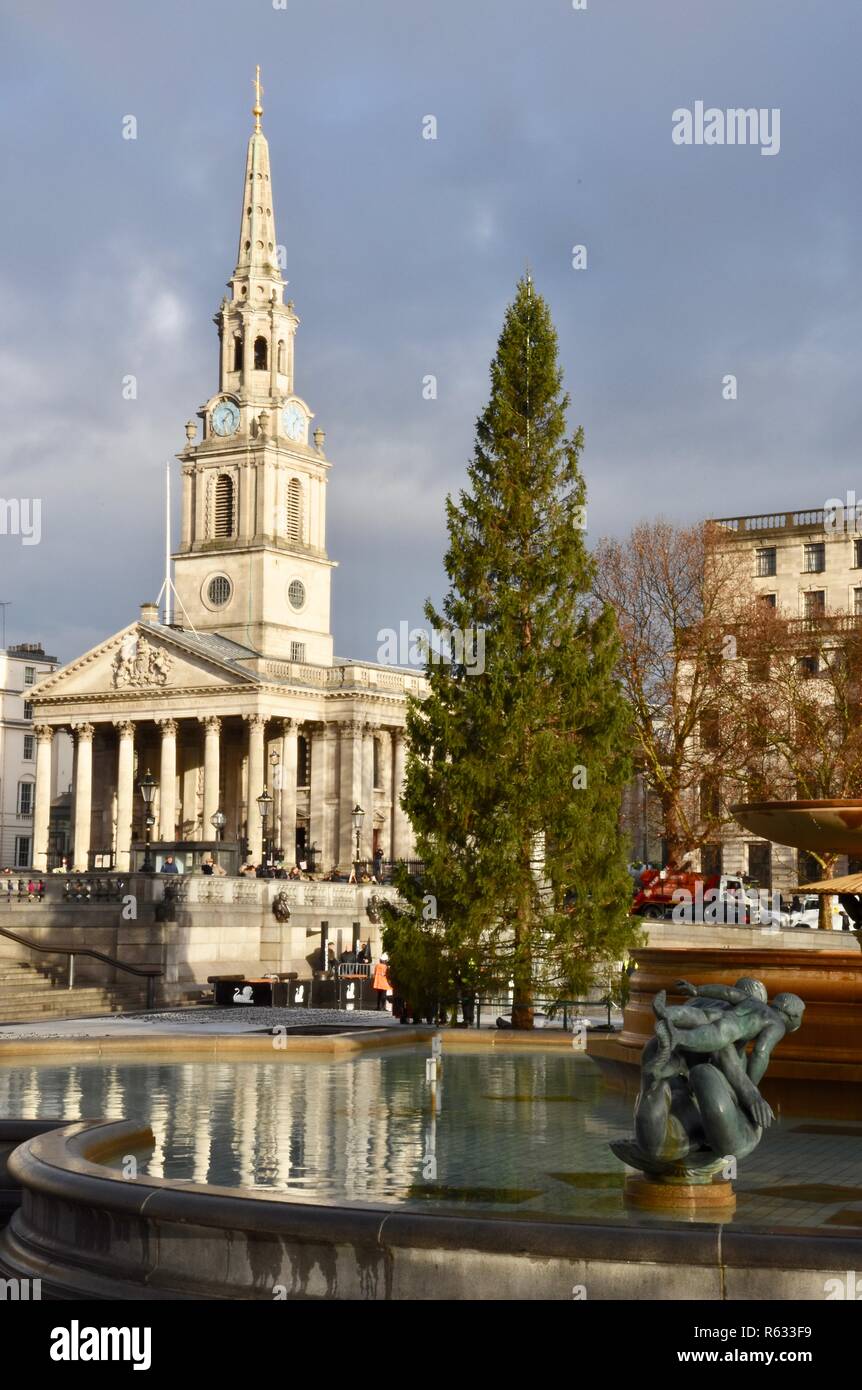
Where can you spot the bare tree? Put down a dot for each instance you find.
(680, 596)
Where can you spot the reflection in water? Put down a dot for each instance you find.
(366, 1130)
(361, 1130)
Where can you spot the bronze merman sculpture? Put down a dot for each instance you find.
(699, 1105)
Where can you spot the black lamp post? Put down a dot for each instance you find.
(357, 816)
(264, 805)
(148, 787)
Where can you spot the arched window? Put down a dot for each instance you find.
(294, 510)
(223, 509)
(260, 354)
(280, 358)
(237, 352)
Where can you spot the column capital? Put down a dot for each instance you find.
(255, 721)
(289, 726)
(399, 733)
(211, 723)
(44, 732)
(351, 728)
(85, 732)
(125, 727)
(168, 727)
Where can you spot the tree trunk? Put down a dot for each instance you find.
(824, 912)
(522, 975)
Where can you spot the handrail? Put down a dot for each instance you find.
(149, 973)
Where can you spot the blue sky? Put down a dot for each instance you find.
(554, 129)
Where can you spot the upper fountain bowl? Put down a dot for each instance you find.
(833, 826)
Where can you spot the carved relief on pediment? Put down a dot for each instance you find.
(138, 663)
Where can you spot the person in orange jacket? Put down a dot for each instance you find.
(380, 981)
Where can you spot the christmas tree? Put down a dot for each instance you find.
(519, 754)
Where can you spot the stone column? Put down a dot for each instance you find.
(83, 795)
(256, 783)
(350, 790)
(168, 780)
(188, 503)
(328, 839)
(317, 807)
(125, 793)
(386, 783)
(400, 825)
(212, 735)
(285, 795)
(367, 799)
(42, 809)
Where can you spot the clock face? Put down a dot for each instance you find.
(294, 422)
(225, 417)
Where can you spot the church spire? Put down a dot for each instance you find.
(257, 277)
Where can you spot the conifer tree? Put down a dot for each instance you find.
(518, 756)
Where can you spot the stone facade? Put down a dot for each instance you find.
(232, 687)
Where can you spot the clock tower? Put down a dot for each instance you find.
(252, 563)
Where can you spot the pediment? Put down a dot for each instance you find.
(140, 659)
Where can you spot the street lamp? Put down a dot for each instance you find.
(148, 787)
(264, 805)
(218, 822)
(357, 816)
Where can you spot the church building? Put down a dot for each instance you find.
(231, 689)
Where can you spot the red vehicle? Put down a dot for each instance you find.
(654, 896)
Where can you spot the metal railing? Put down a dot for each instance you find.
(147, 972)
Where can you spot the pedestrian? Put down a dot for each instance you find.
(381, 982)
(169, 866)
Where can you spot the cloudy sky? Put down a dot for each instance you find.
(554, 129)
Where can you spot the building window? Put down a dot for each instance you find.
(710, 861)
(260, 354)
(771, 600)
(25, 798)
(857, 602)
(815, 603)
(28, 709)
(710, 800)
(765, 561)
(760, 863)
(815, 558)
(297, 651)
(219, 590)
(22, 851)
(223, 510)
(294, 510)
(29, 742)
(809, 667)
(29, 675)
(296, 593)
(237, 353)
(758, 668)
(303, 761)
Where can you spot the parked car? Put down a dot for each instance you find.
(806, 914)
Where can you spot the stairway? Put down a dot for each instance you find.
(29, 994)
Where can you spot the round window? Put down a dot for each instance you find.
(296, 593)
(219, 590)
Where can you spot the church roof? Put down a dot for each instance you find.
(210, 644)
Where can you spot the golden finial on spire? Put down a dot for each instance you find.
(257, 109)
